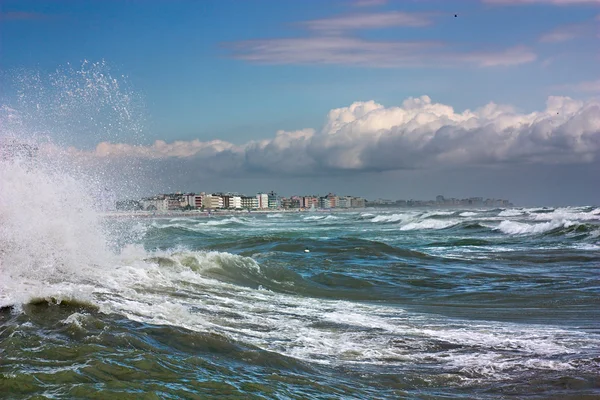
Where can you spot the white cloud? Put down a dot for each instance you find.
(368, 21)
(161, 149)
(337, 50)
(331, 43)
(367, 136)
(511, 56)
(588, 86)
(564, 33)
(569, 32)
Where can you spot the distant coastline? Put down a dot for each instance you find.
(271, 202)
(213, 213)
(229, 212)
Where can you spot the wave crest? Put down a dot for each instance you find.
(521, 228)
(429, 224)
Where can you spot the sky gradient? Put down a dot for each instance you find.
(377, 98)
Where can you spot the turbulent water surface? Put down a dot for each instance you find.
(387, 304)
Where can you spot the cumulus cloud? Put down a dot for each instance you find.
(367, 136)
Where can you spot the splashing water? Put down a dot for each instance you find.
(50, 229)
(74, 106)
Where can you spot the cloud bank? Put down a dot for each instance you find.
(367, 137)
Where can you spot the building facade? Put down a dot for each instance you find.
(212, 202)
(273, 201)
(235, 202)
(263, 200)
(249, 202)
(357, 202)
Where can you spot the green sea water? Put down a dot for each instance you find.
(391, 304)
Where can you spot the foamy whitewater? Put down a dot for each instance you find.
(388, 304)
(403, 303)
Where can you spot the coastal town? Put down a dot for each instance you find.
(272, 201)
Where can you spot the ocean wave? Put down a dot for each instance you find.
(461, 242)
(510, 213)
(521, 228)
(198, 225)
(468, 214)
(176, 225)
(429, 224)
(539, 210)
(587, 246)
(568, 213)
(434, 214)
(246, 302)
(313, 217)
(388, 218)
(320, 218)
(224, 221)
(179, 219)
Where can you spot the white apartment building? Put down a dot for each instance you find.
(155, 204)
(263, 200)
(189, 200)
(344, 202)
(235, 202)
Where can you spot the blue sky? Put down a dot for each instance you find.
(177, 54)
(240, 71)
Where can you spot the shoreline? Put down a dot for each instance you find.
(225, 212)
(196, 213)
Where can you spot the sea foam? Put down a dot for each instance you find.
(521, 228)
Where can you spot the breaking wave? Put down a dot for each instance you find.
(510, 213)
(429, 224)
(521, 228)
(392, 218)
(321, 218)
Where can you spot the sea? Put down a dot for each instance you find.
(361, 304)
